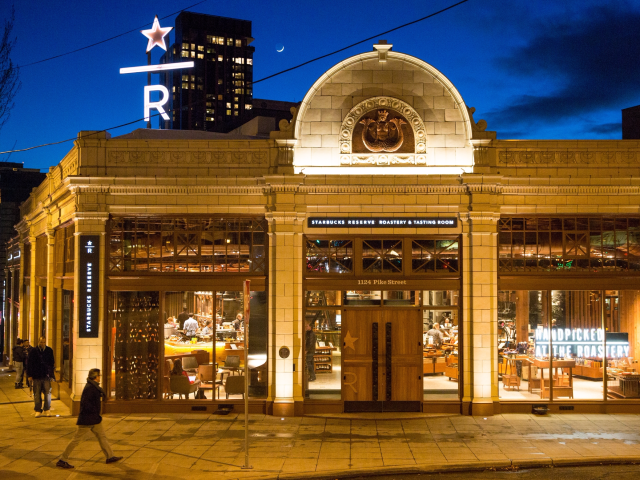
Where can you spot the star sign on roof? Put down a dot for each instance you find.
(156, 35)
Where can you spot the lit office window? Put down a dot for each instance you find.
(249, 61)
(238, 43)
(200, 48)
(248, 106)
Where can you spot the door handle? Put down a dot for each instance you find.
(419, 377)
(419, 344)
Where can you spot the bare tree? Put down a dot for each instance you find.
(9, 73)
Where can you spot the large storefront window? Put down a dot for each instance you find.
(203, 354)
(569, 244)
(187, 245)
(568, 357)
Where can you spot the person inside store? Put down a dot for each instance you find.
(207, 330)
(237, 323)
(182, 317)
(177, 369)
(436, 334)
(310, 349)
(190, 326)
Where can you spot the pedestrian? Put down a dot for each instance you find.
(40, 371)
(18, 362)
(26, 347)
(89, 419)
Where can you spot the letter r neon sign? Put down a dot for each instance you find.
(148, 104)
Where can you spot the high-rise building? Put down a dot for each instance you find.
(215, 95)
(16, 183)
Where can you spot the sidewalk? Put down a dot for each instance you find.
(197, 446)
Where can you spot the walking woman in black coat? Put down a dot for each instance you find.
(89, 419)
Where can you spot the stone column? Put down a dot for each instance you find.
(34, 316)
(23, 314)
(285, 312)
(87, 352)
(480, 313)
(50, 301)
(8, 344)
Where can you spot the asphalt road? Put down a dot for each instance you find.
(602, 472)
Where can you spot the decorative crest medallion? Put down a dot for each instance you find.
(381, 135)
(383, 131)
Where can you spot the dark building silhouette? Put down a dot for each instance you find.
(217, 94)
(631, 123)
(16, 183)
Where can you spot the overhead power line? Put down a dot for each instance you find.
(252, 83)
(107, 39)
(362, 41)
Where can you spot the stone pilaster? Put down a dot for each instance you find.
(52, 339)
(479, 313)
(87, 352)
(285, 310)
(33, 315)
(8, 343)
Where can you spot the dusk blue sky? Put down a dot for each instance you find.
(534, 70)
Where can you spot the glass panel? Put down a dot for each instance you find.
(330, 256)
(136, 323)
(360, 298)
(520, 313)
(577, 337)
(440, 298)
(230, 343)
(189, 370)
(323, 354)
(382, 256)
(583, 244)
(320, 298)
(400, 298)
(622, 343)
(575, 341)
(440, 365)
(179, 245)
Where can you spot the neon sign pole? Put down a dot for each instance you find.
(156, 38)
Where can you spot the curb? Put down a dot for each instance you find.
(458, 467)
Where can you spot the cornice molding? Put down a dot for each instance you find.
(102, 216)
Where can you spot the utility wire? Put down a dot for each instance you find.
(252, 83)
(361, 41)
(107, 39)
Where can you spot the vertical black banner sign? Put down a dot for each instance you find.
(89, 288)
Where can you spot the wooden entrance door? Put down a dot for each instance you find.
(381, 360)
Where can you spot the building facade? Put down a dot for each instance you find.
(400, 258)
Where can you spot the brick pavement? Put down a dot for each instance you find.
(198, 446)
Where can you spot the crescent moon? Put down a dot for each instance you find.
(282, 49)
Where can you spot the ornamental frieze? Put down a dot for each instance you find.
(565, 157)
(171, 158)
